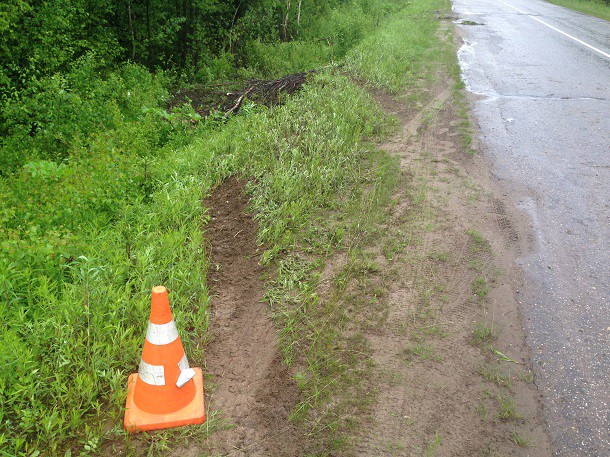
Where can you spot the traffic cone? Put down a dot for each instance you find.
(165, 392)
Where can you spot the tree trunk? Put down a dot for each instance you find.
(148, 46)
(148, 20)
(299, 14)
(286, 20)
(182, 34)
(132, 33)
(231, 28)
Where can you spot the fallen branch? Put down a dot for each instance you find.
(205, 99)
(237, 105)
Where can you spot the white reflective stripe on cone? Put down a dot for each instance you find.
(186, 373)
(152, 374)
(160, 334)
(185, 376)
(183, 364)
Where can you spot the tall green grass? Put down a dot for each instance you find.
(401, 51)
(102, 201)
(325, 40)
(75, 298)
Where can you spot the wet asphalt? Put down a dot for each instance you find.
(542, 101)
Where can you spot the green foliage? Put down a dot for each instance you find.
(484, 333)
(85, 240)
(102, 186)
(326, 32)
(216, 68)
(63, 111)
(279, 59)
(396, 54)
(346, 24)
(39, 39)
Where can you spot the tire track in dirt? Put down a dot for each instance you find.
(250, 387)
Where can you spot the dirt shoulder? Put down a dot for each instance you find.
(451, 366)
(416, 331)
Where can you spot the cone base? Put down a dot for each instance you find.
(137, 420)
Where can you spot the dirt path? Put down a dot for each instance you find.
(442, 391)
(249, 384)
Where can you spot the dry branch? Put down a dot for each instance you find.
(204, 99)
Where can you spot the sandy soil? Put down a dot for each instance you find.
(442, 405)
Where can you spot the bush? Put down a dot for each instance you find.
(60, 112)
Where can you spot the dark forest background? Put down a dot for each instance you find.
(59, 57)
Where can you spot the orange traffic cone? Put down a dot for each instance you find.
(165, 392)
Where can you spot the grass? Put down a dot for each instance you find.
(482, 411)
(433, 446)
(478, 242)
(331, 362)
(598, 8)
(494, 374)
(520, 440)
(440, 256)
(484, 334)
(527, 377)
(480, 287)
(420, 351)
(400, 53)
(78, 300)
(507, 410)
(321, 331)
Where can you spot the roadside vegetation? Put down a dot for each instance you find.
(102, 186)
(598, 8)
(103, 174)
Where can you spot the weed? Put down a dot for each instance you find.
(507, 411)
(421, 351)
(476, 265)
(488, 451)
(393, 446)
(479, 243)
(440, 256)
(482, 411)
(503, 357)
(433, 446)
(420, 334)
(520, 440)
(493, 373)
(392, 247)
(480, 287)
(527, 377)
(393, 378)
(484, 334)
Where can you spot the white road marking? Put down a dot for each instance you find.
(605, 54)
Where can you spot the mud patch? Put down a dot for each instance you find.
(248, 386)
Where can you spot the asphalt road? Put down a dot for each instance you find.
(540, 75)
